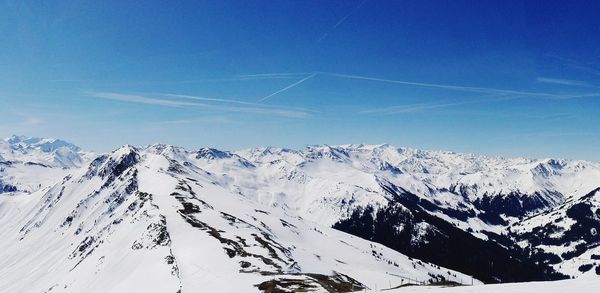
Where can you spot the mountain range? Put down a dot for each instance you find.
(162, 218)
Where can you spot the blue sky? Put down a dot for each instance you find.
(490, 77)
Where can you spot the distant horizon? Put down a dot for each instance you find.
(299, 148)
(495, 78)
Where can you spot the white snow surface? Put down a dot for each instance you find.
(43, 151)
(162, 218)
(30, 164)
(585, 283)
(137, 221)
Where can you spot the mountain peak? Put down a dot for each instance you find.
(212, 154)
(125, 149)
(44, 151)
(46, 145)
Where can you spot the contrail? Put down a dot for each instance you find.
(566, 97)
(287, 87)
(230, 101)
(257, 109)
(575, 64)
(412, 108)
(443, 86)
(414, 83)
(562, 81)
(341, 21)
(272, 75)
(188, 97)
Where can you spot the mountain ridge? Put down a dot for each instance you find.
(130, 214)
(419, 203)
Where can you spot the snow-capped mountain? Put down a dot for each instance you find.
(333, 184)
(135, 220)
(565, 236)
(198, 218)
(28, 164)
(44, 151)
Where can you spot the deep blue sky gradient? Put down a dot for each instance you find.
(510, 78)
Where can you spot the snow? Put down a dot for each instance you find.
(45, 151)
(120, 226)
(586, 283)
(162, 218)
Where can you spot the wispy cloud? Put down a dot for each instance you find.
(341, 21)
(409, 108)
(587, 69)
(144, 100)
(66, 80)
(273, 75)
(516, 94)
(239, 78)
(208, 99)
(208, 119)
(241, 108)
(444, 86)
(562, 81)
(421, 107)
(287, 87)
(231, 101)
(576, 65)
(33, 121)
(578, 96)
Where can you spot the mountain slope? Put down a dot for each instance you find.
(480, 195)
(565, 236)
(497, 219)
(29, 164)
(132, 214)
(43, 151)
(588, 283)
